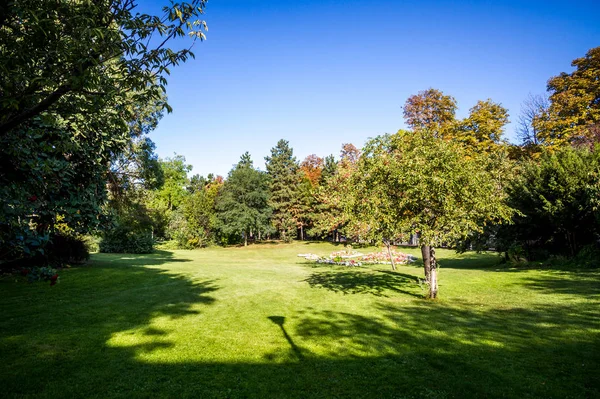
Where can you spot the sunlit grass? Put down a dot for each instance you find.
(262, 322)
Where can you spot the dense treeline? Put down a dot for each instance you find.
(76, 161)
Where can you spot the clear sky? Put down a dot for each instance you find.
(320, 73)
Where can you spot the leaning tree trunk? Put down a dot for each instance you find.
(388, 245)
(430, 266)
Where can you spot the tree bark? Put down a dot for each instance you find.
(430, 266)
(387, 244)
(425, 252)
(301, 233)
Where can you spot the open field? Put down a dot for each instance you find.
(261, 322)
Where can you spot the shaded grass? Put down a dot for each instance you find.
(261, 322)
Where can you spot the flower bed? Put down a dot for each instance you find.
(353, 258)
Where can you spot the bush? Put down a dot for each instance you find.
(589, 256)
(67, 249)
(124, 240)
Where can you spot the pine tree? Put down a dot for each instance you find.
(283, 171)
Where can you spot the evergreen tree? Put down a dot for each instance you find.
(242, 204)
(283, 171)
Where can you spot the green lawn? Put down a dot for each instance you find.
(260, 322)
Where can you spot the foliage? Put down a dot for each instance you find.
(431, 109)
(243, 203)
(83, 85)
(328, 216)
(417, 183)
(67, 249)
(411, 183)
(44, 273)
(194, 224)
(573, 115)
(557, 202)
(434, 111)
(312, 168)
(124, 239)
(284, 180)
(483, 128)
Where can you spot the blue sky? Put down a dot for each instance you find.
(323, 73)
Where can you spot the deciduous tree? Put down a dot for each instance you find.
(416, 183)
(574, 112)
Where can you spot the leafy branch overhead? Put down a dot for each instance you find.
(91, 52)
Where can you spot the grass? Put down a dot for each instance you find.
(259, 322)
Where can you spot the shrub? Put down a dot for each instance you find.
(124, 240)
(64, 249)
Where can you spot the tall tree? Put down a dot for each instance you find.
(431, 109)
(243, 202)
(482, 130)
(416, 183)
(574, 112)
(198, 221)
(328, 216)
(83, 82)
(532, 108)
(284, 177)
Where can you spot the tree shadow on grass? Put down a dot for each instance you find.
(374, 282)
(63, 345)
(470, 261)
(158, 257)
(580, 283)
(65, 330)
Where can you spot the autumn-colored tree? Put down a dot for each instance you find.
(431, 109)
(435, 112)
(574, 112)
(328, 215)
(482, 130)
(311, 167)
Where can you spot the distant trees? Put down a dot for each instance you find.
(431, 109)
(284, 181)
(532, 108)
(242, 204)
(573, 115)
(435, 112)
(557, 202)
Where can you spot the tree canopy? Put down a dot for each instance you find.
(573, 116)
(416, 183)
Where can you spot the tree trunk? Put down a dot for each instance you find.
(301, 233)
(387, 244)
(245, 239)
(430, 266)
(433, 277)
(425, 252)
